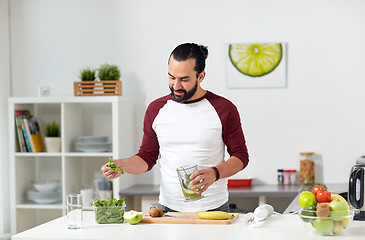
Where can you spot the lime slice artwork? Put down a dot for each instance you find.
(256, 65)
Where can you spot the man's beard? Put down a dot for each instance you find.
(186, 96)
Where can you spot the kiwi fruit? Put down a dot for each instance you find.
(155, 212)
(323, 210)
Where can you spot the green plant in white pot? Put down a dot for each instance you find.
(53, 137)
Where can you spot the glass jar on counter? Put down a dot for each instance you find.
(307, 172)
(280, 176)
(292, 176)
(289, 176)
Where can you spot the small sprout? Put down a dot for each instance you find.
(111, 165)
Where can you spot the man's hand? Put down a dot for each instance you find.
(204, 178)
(109, 173)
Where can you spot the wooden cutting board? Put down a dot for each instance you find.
(192, 218)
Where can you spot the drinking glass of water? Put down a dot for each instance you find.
(74, 211)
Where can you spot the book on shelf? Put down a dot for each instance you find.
(28, 133)
(19, 131)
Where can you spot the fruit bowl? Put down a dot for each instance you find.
(334, 224)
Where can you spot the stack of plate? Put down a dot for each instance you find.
(93, 144)
(45, 192)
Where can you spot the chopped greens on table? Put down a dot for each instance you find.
(111, 165)
(109, 211)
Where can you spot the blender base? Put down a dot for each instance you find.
(359, 215)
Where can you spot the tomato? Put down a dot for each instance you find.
(323, 196)
(318, 188)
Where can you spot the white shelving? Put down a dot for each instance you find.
(78, 116)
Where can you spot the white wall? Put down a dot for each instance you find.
(4, 94)
(321, 110)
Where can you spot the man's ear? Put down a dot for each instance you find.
(201, 76)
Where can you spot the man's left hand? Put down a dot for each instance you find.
(204, 178)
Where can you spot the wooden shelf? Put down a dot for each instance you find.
(109, 116)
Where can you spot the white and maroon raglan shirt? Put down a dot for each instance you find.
(191, 133)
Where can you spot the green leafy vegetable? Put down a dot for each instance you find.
(109, 211)
(111, 165)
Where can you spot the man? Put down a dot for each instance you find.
(189, 126)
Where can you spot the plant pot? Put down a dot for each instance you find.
(53, 144)
(98, 88)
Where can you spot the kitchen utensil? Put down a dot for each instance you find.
(172, 214)
(74, 211)
(191, 218)
(356, 191)
(360, 160)
(105, 185)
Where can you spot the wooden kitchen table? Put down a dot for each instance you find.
(279, 227)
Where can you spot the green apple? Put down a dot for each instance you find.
(308, 213)
(306, 199)
(339, 209)
(323, 226)
(132, 217)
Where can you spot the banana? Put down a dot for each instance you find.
(345, 222)
(334, 196)
(337, 227)
(216, 215)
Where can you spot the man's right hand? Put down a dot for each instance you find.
(109, 173)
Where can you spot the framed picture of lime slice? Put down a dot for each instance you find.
(256, 65)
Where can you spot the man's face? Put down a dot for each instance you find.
(183, 81)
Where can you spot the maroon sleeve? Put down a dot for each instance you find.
(231, 127)
(150, 149)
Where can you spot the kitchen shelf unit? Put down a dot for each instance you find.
(110, 116)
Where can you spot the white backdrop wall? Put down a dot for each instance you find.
(4, 94)
(321, 109)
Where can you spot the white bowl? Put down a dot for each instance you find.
(44, 197)
(46, 186)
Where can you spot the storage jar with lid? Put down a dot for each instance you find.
(307, 172)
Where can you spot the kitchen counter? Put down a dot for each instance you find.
(283, 227)
(252, 191)
(143, 193)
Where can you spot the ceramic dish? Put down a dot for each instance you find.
(93, 147)
(93, 139)
(45, 186)
(44, 197)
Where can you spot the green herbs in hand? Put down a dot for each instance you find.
(111, 166)
(109, 211)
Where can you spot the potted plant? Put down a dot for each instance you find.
(109, 84)
(88, 74)
(53, 137)
(109, 72)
